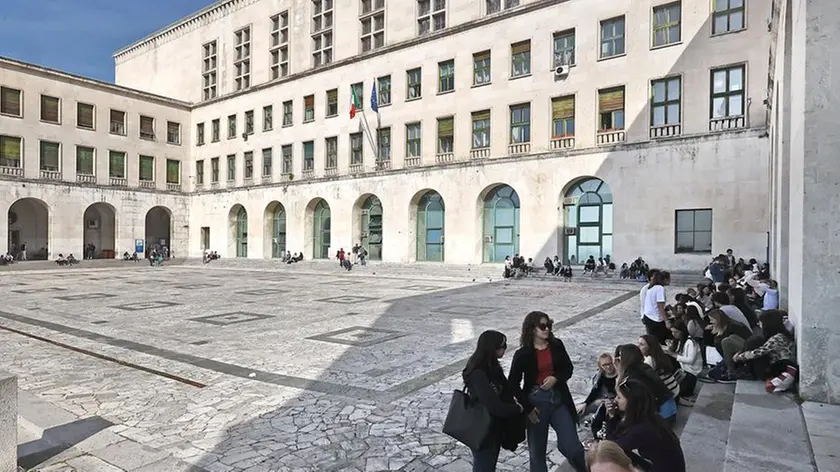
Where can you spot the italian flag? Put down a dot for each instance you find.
(354, 102)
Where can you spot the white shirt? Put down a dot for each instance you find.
(642, 295)
(654, 295)
(690, 358)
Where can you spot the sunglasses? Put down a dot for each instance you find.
(545, 326)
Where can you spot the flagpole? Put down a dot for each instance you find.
(366, 127)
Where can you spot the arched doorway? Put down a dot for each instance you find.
(158, 229)
(275, 218)
(238, 224)
(588, 220)
(100, 231)
(371, 227)
(431, 217)
(29, 229)
(321, 230)
(501, 223)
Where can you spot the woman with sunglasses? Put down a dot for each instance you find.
(544, 364)
(640, 428)
(486, 383)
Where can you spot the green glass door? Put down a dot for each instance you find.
(372, 228)
(321, 226)
(501, 224)
(431, 214)
(242, 233)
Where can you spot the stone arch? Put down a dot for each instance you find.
(29, 229)
(274, 230)
(499, 209)
(318, 227)
(427, 222)
(238, 231)
(158, 229)
(100, 231)
(586, 220)
(367, 225)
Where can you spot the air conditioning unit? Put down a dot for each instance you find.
(561, 71)
(570, 201)
(488, 239)
(570, 231)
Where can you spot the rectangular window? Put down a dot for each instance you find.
(520, 59)
(612, 37)
(359, 89)
(431, 16)
(413, 140)
(356, 149)
(666, 24)
(231, 127)
(481, 129)
(278, 52)
(249, 122)
(728, 92)
(287, 113)
(309, 156)
(50, 109)
(147, 127)
(611, 109)
(209, 69)
(11, 102)
(85, 116)
(214, 170)
(116, 164)
(373, 26)
(308, 108)
(117, 122)
(446, 133)
(693, 231)
(147, 168)
(383, 142)
(520, 123)
(173, 171)
(383, 89)
(495, 6)
(446, 76)
(331, 147)
(267, 163)
(728, 16)
(11, 151)
(286, 151)
(414, 84)
(50, 156)
(481, 68)
(199, 172)
(216, 130)
(268, 118)
(231, 167)
(564, 48)
(563, 117)
(84, 160)
(199, 134)
(173, 132)
(665, 101)
(322, 32)
(332, 103)
(242, 58)
(248, 157)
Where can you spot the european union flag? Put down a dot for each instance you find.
(373, 102)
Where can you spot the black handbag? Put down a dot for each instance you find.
(467, 421)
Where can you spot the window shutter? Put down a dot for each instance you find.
(146, 125)
(147, 167)
(49, 155)
(332, 96)
(481, 115)
(10, 148)
(84, 160)
(519, 48)
(309, 101)
(173, 172)
(49, 109)
(480, 56)
(446, 127)
(10, 101)
(562, 108)
(116, 164)
(611, 100)
(84, 116)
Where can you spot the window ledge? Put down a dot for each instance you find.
(146, 139)
(383, 105)
(173, 144)
(85, 128)
(265, 130)
(413, 99)
(309, 121)
(288, 126)
(51, 122)
(602, 59)
(483, 84)
(446, 92)
(327, 116)
(11, 115)
(514, 77)
(725, 33)
(665, 46)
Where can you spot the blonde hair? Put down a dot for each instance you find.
(608, 452)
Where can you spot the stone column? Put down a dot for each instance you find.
(8, 422)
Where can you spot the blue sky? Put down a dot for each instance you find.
(79, 36)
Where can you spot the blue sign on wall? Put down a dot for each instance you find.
(139, 245)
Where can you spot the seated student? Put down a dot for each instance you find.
(508, 271)
(770, 301)
(60, 260)
(567, 273)
(557, 265)
(625, 271)
(729, 339)
(607, 456)
(549, 266)
(723, 303)
(601, 267)
(686, 351)
(779, 346)
(630, 364)
(589, 266)
(739, 300)
(71, 259)
(603, 389)
(640, 429)
(666, 367)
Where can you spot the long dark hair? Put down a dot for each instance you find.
(630, 358)
(739, 299)
(660, 278)
(677, 344)
(772, 323)
(642, 408)
(692, 313)
(661, 360)
(529, 324)
(484, 357)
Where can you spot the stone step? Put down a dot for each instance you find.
(706, 433)
(823, 423)
(767, 433)
(85, 264)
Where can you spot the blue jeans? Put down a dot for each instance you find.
(485, 459)
(553, 413)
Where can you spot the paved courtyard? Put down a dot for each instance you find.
(303, 367)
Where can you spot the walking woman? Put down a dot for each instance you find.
(544, 365)
(486, 383)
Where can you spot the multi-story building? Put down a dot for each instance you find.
(426, 130)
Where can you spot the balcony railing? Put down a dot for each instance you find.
(267, 179)
(563, 142)
(308, 174)
(331, 171)
(412, 161)
(147, 184)
(17, 171)
(727, 123)
(118, 181)
(665, 131)
(383, 165)
(50, 174)
(519, 148)
(610, 137)
(357, 168)
(444, 157)
(173, 187)
(86, 178)
(480, 153)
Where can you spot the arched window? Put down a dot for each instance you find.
(431, 215)
(372, 228)
(321, 227)
(278, 231)
(501, 224)
(587, 220)
(242, 233)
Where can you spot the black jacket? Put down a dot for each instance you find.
(491, 389)
(601, 388)
(524, 365)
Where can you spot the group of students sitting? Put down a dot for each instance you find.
(66, 261)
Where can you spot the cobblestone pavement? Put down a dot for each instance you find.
(302, 367)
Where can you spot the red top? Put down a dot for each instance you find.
(545, 365)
